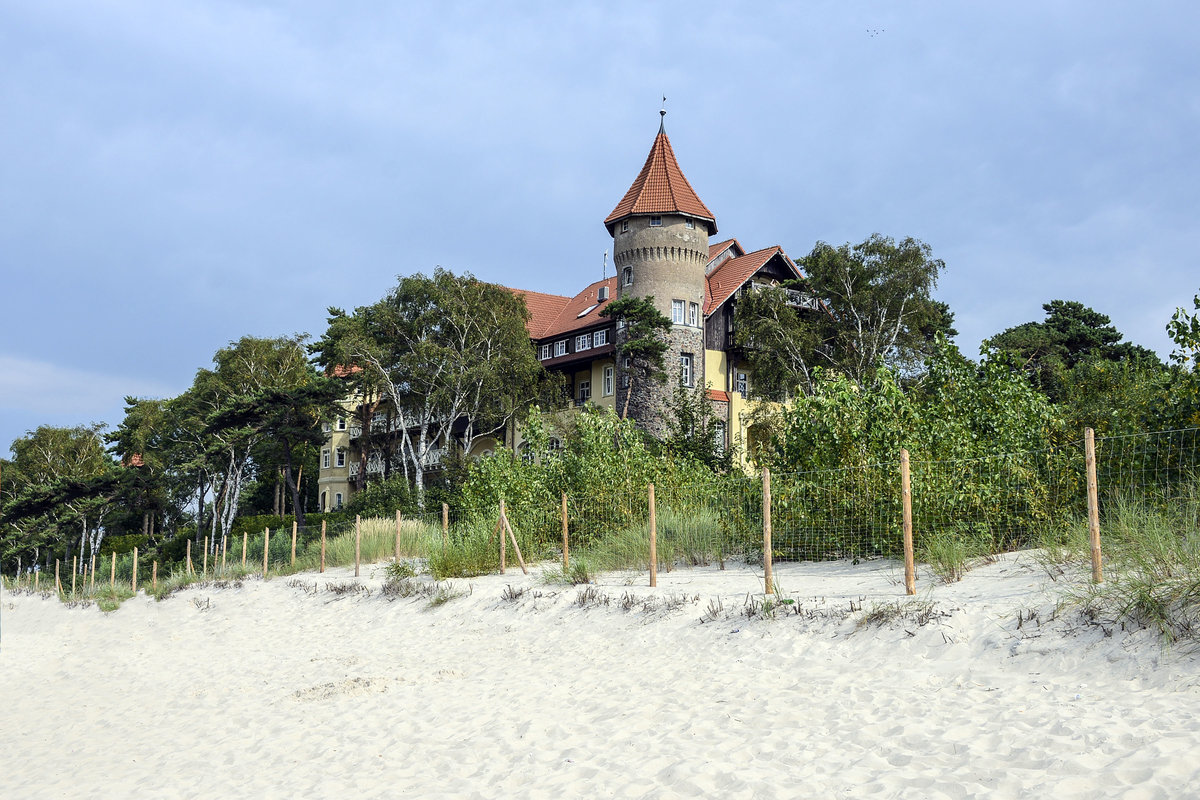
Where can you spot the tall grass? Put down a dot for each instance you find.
(1151, 556)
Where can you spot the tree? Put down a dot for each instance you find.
(450, 353)
(876, 309)
(1070, 335)
(641, 339)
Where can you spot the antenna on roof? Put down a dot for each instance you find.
(662, 116)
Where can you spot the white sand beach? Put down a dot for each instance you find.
(284, 688)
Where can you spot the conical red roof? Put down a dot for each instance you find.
(661, 188)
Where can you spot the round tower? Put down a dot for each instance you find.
(660, 233)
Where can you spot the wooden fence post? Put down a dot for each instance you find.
(566, 561)
(445, 526)
(397, 535)
(768, 576)
(112, 577)
(188, 557)
(294, 531)
(204, 562)
(135, 554)
(910, 571)
(245, 538)
(266, 548)
(154, 577)
(1093, 502)
(357, 543)
(224, 550)
(653, 541)
(93, 573)
(322, 545)
(500, 523)
(57, 581)
(74, 569)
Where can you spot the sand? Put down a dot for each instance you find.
(518, 688)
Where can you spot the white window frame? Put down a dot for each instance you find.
(625, 226)
(544, 352)
(583, 342)
(341, 457)
(627, 276)
(600, 338)
(656, 221)
(583, 391)
(606, 384)
(337, 499)
(694, 314)
(325, 459)
(677, 307)
(689, 223)
(560, 348)
(685, 369)
(741, 382)
(341, 423)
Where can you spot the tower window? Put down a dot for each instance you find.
(677, 312)
(341, 457)
(325, 459)
(689, 223)
(694, 314)
(625, 226)
(685, 369)
(627, 276)
(656, 222)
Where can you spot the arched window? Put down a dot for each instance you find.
(627, 276)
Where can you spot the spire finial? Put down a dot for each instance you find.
(662, 116)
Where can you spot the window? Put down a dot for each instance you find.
(337, 501)
(326, 427)
(341, 458)
(324, 501)
(583, 342)
(600, 338)
(742, 384)
(685, 369)
(606, 386)
(584, 391)
(324, 459)
(625, 226)
(545, 352)
(718, 434)
(627, 276)
(560, 348)
(341, 423)
(554, 445)
(677, 312)
(689, 223)
(694, 314)
(656, 222)
(526, 453)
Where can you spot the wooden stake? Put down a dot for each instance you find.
(188, 561)
(74, 569)
(154, 577)
(224, 550)
(768, 577)
(57, 582)
(322, 545)
(499, 527)
(653, 541)
(245, 538)
(445, 526)
(37, 578)
(294, 530)
(204, 563)
(112, 578)
(135, 570)
(1093, 501)
(566, 559)
(910, 570)
(357, 543)
(266, 548)
(516, 547)
(93, 573)
(398, 521)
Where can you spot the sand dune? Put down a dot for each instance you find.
(517, 688)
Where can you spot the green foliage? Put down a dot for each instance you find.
(694, 431)
(383, 498)
(642, 341)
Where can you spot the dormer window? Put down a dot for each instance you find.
(656, 222)
(627, 276)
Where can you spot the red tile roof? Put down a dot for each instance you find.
(715, 249)
(661, 188)
(716, 394)
(734, 272)
(555, 315)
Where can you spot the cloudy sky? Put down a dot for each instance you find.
(180, 173)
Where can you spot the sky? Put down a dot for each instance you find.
(178, 174)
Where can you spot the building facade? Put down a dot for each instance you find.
(663, 247)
